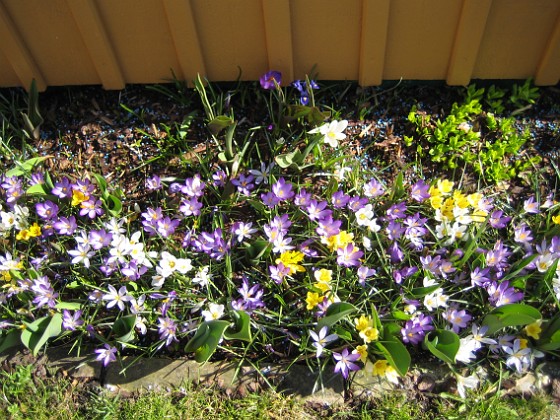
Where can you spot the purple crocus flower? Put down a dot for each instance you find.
(403, 273)
(269, 199)
(364, 273)
(328, 227)
(278, 272)
(47, 210)
(91, 208)
(317, 210)
(396, 211)
(71, 322)
(166, 226)
(167, 329)
(497, 221)
(283, 190)
(302, 198)
(194, 187)
(63, 188)
(153, 183)
(339, 199)
(355, 203)
(44, 292)
(219, 178)
(106, 355)
(419, 191)
(244, 183)
(37, 178)
(65, 225)
(394, 230)
(457, 318)
(349, 256)
(395, 253)
(251, 297)
(480, 277)
(502, 294)
(190, 206)
(522, 234)
(345, 362)
(373, 188)
(271, 79)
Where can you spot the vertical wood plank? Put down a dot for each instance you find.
(15, 50)
(182, 27)
(548, 70)
(470, 30)
(373, 41)
(278, 36)
(97, 42)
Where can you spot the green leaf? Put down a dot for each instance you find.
(9, 340)
(400, 315)
(396, 354)
(514, 314)
(37, 189)
(286, 160)
(335, 312)
(220, 123)
(71, 306)
(101, 183)
(343, 333)
(199, 338)
(419, 292)
(216, 330)
(123, 328)
(113, 204)
(444, 345)
(241, 330)
(257, 250)
(38, 332)
(27, 166)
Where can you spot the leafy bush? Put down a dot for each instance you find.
(471, 137)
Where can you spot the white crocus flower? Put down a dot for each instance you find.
(215, 311)
(332, 132)
(464, 382)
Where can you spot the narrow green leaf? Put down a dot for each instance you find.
(419, 292)
(335, 312)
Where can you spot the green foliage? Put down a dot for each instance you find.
(443, 344)
(470, 136)
(514, 314)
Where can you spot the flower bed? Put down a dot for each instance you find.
(293, 250)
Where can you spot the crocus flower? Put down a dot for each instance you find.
(106, 355)
(71, 321)
(332, 132)
(345, 362)
(283, 190)
(321, 339)
(271, 79)
(167, 329)
(349, 256)
(115, 298)
(419, 191)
